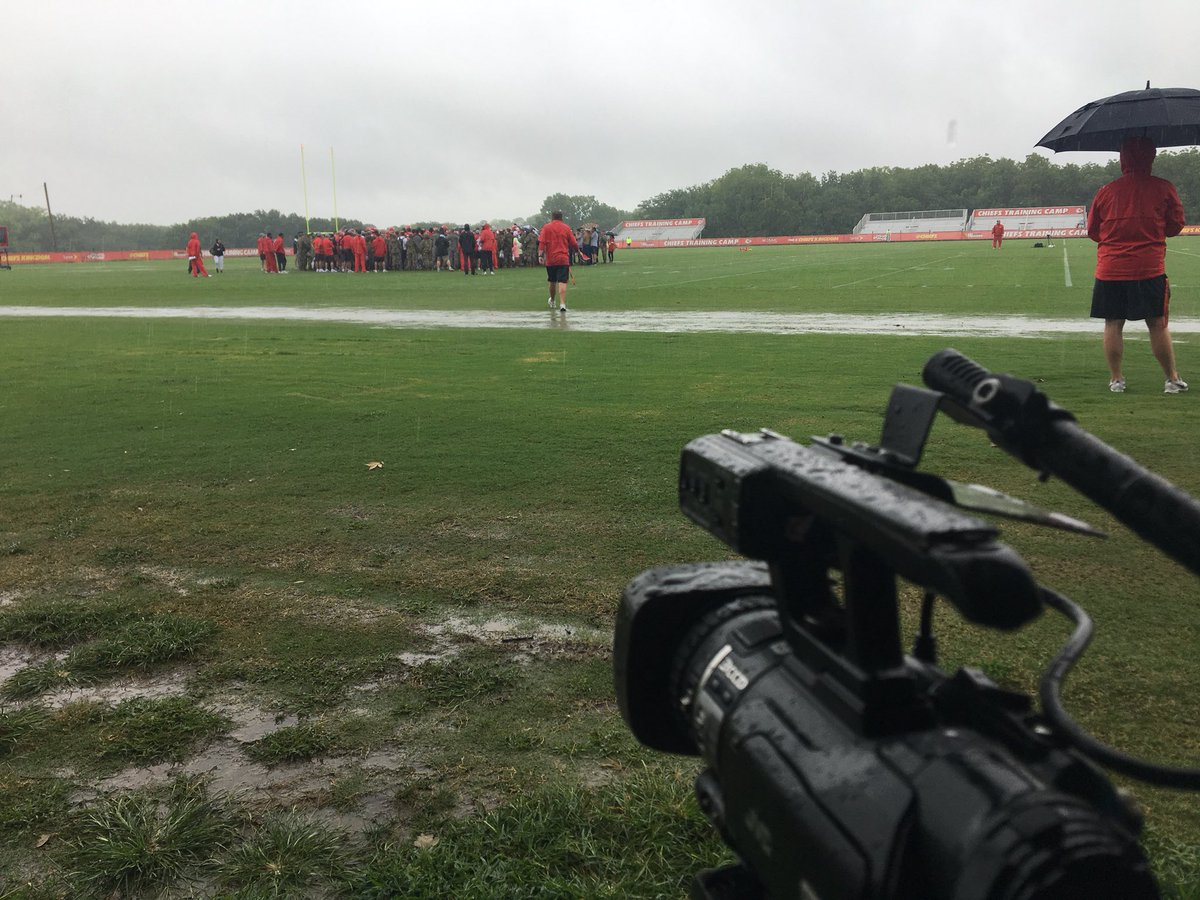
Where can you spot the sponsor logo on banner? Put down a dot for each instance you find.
(1019, 211)
(661, 223)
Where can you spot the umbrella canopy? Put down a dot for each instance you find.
(1168, 116)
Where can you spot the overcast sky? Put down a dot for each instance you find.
(460, 111)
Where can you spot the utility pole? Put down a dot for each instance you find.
(53, 239)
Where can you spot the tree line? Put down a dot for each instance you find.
(756, 200)
(751, 200)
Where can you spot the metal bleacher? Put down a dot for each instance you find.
(1017, 221)
(926, 220)
(1026, 221)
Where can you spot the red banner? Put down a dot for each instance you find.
(1023, 211)
(121, 255)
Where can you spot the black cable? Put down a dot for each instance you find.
(1049, 693)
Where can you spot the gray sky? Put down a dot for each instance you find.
(462, 110)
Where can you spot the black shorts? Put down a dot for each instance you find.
(1148, 298)
(558, 274)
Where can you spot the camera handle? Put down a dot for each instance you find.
(851, 652)
(1021, 419)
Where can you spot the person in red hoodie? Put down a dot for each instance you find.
(358, 244)
(487, 249)
(997, 235)
(555, 241)
(270, 260)
(1131, 219)
(196, 257)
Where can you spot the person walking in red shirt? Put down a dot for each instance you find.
(379, 250)
(555, 242)
(196, 257)
(1131, 219)
(997, 235)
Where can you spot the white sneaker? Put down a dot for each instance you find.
(1175, 386)
(1117, 386)
(562, 309)
(550, 302)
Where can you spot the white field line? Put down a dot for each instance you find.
(1066, 267)
(896, 271)
(615, 321)
(653, 286)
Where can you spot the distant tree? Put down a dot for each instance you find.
(1183, 168)
(579, 210)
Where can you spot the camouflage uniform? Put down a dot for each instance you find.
(427, 251)
(304, 250)
(414, 251)
(393, 251)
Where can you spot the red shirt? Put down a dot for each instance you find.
(556, 240)
(277, 246)
(379, 247)
(193, 245)
(997, 230)
(1132, 217)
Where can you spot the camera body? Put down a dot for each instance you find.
(837, 766)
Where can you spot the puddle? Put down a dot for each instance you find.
(613, 321)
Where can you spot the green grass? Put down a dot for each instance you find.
(191, 497)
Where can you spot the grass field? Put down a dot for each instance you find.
(241, 661)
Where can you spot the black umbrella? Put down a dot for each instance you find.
(1168, 116)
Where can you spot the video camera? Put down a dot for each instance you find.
(837, 765)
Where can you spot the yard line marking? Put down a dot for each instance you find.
(659, 284)
(895, 272)
(1066, 267)
(1184, 252)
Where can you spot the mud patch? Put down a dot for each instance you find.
(180, 582)
(171, 684)
(524, 639)
(353, 793)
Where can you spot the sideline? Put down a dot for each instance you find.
(646, 321)
(1066, 267)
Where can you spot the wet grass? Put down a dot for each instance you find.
(192, 499)
(135, 844)
(111, 642)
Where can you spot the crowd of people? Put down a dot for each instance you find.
(396, 249)
(556, 246)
